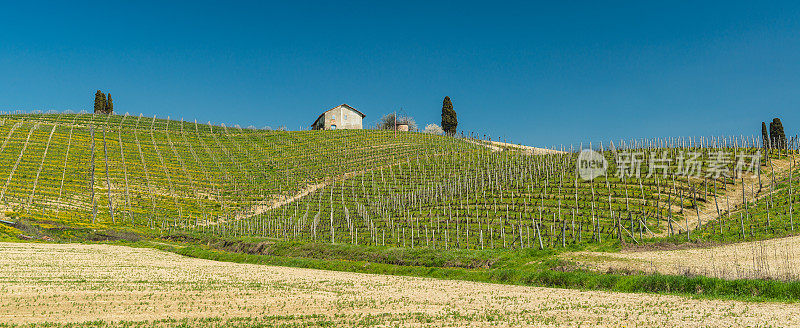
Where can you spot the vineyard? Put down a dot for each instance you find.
(367, 187)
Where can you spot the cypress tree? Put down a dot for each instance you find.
(764, 135)
(449, 119)
(109, 105)
(99, 102)
(777, 134)
(772, 135)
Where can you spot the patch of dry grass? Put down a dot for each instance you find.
(768, 259)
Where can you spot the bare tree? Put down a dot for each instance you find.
(390, 121)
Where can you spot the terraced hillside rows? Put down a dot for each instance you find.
(349, 186)
(162, 174)
(503, 199)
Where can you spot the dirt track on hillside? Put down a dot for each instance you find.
(528, 149)
(279, 201)
(310, 188)
(732, 196)
(76, 283)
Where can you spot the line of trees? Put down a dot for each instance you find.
(103, 104)
(448, 127)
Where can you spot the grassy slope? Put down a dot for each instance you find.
(172, 174)
(370, 187)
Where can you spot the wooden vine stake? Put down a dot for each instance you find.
(791, 201)
(91, 177)
(108, 179)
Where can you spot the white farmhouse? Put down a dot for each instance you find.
(339, 117)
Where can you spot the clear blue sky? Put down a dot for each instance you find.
(540, 73)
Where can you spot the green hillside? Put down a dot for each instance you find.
(362, 187)
(169, 174)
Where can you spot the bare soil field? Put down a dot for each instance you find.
(772, 259)
(63, 283)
